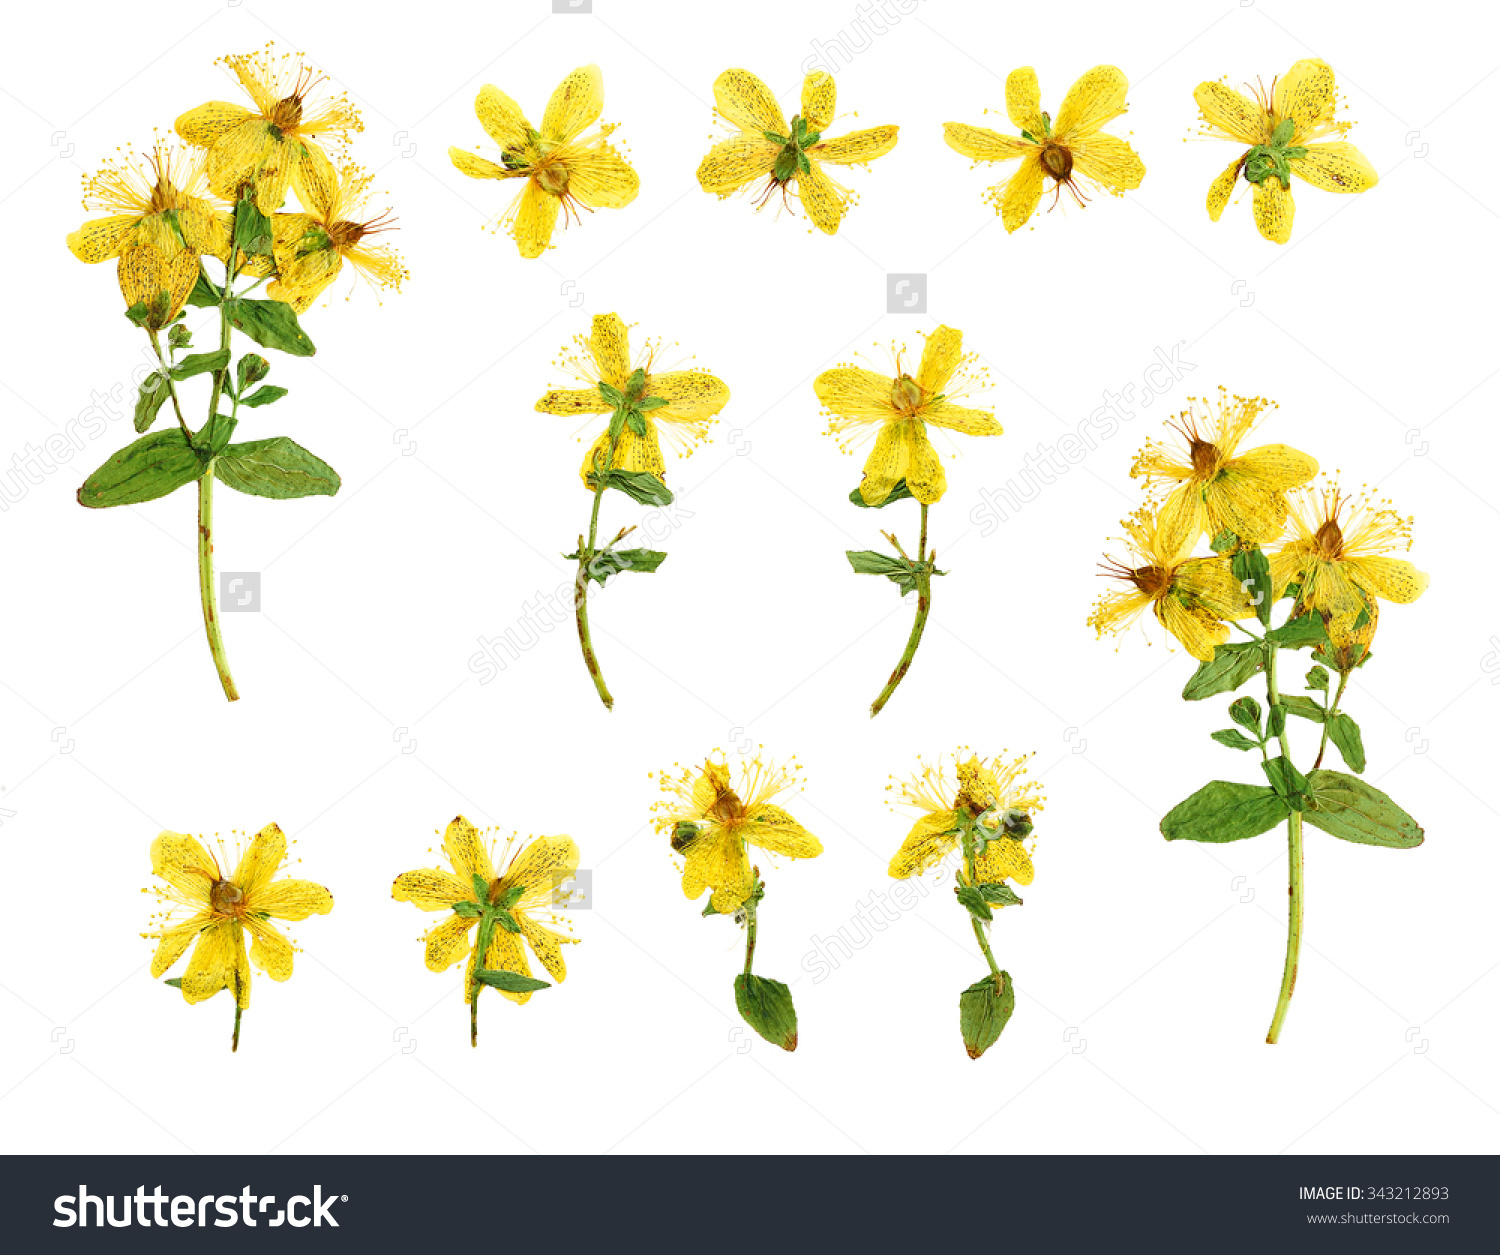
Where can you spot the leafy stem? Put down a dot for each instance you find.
(585, 559)
(923, 574)
(750, 922)
(1294, 868)
(166, 374)
(966, 836)
(1330, 712)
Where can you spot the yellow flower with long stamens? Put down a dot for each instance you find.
(311, 247)
(1193, 598)
(858, 400)
(1068, 151)
(1215, 487)
(223, 909)
(693, 398)
(566, 166)
(789, 157)
(711, 823)
(533, 881)
(1280, 126)
(277, 145)
(160, 221)
(1338, 556)
(997, 794)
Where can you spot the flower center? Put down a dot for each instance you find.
(906, 394)
(1205, 457)
(553, 179)
(1151, 580)
(1058, 161)
(1329, 541)
(226, 898)
(345, 234)
(727, 807)
(286, 113)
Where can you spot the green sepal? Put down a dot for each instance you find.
(999, 894)
(1223, 811)
(511, 896)
(711, 909)
(984, 1011)
(279, 468)
(611, 394)
(973, 901)
(511, 982)
(1344, 732)
(684, 834)
(635, 383)
(1234, 738)
(200, 364)
(271, 324)
(609, 562)
(1230, 667)
(174, 981)
(263, 396)
(1282, 135)
(898, 493)
(1225, 542)
(766, 1006)
(151, 467)
(646, 404)
(775, 138)
(786, 164)
(1348, 808)
(481, 887)
(634, 421)
(469, 910)
(506, 920)
(149, 400)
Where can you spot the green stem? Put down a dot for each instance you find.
(234, 1043)
(1329, 712)
(924, 604)
(166, 374)
(750, 926)
(1294, 875)
(481, 954)
(972, 872)
(206, 584)
(581, 587)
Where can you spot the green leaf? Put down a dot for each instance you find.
(1303, 708)
(1351, 810)
(899, 493)
(271, 324)
(999, 894)
(970, 898)
(469, 910)
(278, 467)
(774, 138)
(251, 368)
(609, 562)
(898, 570)
(646, 404)
(204, 294)
(1317, 678)
(1224, 542)
(174, 981)
(1245, 711)
(151, 467)
(511, 982)
(636, 383)
(263, 396)
(1224, 811)
(506, 920)
(1344, 733)
(512, 895)
(611, 394)
(1296, 633)
(252, 229)
(481, 887)
(634, 421)
(984, 1011)
(200, 364)
(1275, 720)
(1230, 667)
(766, 1006)
(214, 435)
(639, 486)
(1253, 570)
(150, 399)
(179, 337)
(1290, 783)
(1235, 739)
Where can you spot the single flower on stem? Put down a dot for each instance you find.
(216, 910)
(903, 464)
(645, 406)
(499, 910)
(567, 166)
(1281, 128)
(311, 248)
(711, 820)
(790, 158)
(986, 815)
(1069, 154)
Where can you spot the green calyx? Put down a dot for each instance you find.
(1046, 130)
(1275, 158)
(792, 160)
(631, 406)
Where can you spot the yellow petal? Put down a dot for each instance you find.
(100, 238)
(502, 119)
(1274, 210)
(735, 162)
(315, 180)
(692, 396)
(575, 105)
(1276, 465)
(925, 477)
(292, 899)
(431, 889)
(1023, 101)
(269, 950)
(1109, 162)
(941, 356)
(886, 464)
(536, 216)
(856, 148)
(717, 860)
(632, 453)
(1095, 99)
(1196, 629)
(176, 940)
(540, 870)
(262, 857)
(448, 943)
(477, 167)
(818, 97)
(1022, 194)
(601, 178)
(184, 864)
(773, 829)
(1212, 584)
(1183, 518)
(206, 125)
(574, 401)
(1219, 190)
(546, 945)
(931, 839)
(1306, 95)
(971, 422)
(609, 342)
(1392, 579)
(217, 958)
(821, 198)
(981, 144)
(1237, 116)
(1004, 858)
(466, 851)
(507, 954)
(856, 394)
(1335, 168)
(145, 273)
(749, 104)
(208, 231)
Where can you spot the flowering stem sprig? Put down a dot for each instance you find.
(919, 575)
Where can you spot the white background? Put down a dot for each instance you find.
(1146, 972)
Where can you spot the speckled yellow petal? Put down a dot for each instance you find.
(507, 954)
(208, 231)
(536, 217)
(609, 342)
(206, 125)
(1023, 101)
(1213, 583)
(1004, 858)
(184, 864)
(925, 477)
(691, 395)
(1022, 194)
(466, 851)
(1196, 629)
(291, 899)
(575, 105)
(260, 860)
(818, 100)
(1222, 187)
(431, 889)
(1109, 162)
(773, 829)
(574, 401)
(982, 144)
(1232, 113)
(100, 238)
(857, 147)
(219, 954)
(961, 418)
(175, 941)
(749, 104)
(601, 178)
(1335, 168)
(314, 179)
(717, 860)
(477, 167)
(145, 273)
(269, 949)
(886, 463)
(1276, 465)
(1392, 579)
(1274, 210)
(856, 394)
(632, 453)
(1182, 519)
(941, 356)
(448, 943)
(737, 161)
(820, 198)
(1095, 99)
(546, 945)
(540, 869)
(1306, 95)
(931, 839)
(502, 119)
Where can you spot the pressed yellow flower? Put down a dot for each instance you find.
(1338, 557)
(1280, 126)
(858, 400)
(1216, 488)
(692, 399)
(277, 145)
(159, 223)
(711, 823)
(996, 794)
(789, 157)
(531, 883)
(1193, 598)
(311, 247)
(565, 168)
(1067, 151)
(223, 908)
